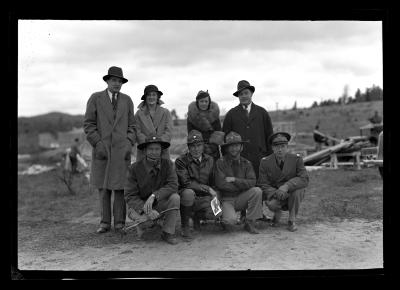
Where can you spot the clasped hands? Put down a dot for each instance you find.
(208, 189)
(149, 212)
(282, 192)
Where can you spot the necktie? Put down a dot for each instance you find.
(114, 101)
(281, 164)
(245, 109)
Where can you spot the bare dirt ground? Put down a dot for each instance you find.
(340, 227)
(355, 244)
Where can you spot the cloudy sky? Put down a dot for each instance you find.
(61, 63)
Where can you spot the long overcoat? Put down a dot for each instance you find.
(161, 125)
(256, 129)
(111, 138)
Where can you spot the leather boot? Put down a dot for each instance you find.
(186, 213)
(250, 227)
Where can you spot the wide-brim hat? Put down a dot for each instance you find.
(279, 138)
(233, 138)
(153, 139)
(243, 85)
(115, 71)
(151, 88)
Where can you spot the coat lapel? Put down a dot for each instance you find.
(107, 107)
(157, 117)
(242, 113)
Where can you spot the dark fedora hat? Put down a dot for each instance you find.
(279, 138)
(115, 71)
(152, 138)
(151, 88)
(243, 85)
(233, 138)
(194, 136)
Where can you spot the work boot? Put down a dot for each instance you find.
(250, 227)
(292, 226)
(169, 238)
(186, 213)
(276, 218)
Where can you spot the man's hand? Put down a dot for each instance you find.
(284, 188)
(153, 214)
(212, 192)
(135, 217)
(148, 205)
(230, 179)
(204, 187)
(282, 195)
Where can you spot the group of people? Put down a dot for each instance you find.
(242, 163)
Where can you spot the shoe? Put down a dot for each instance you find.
(226, 227)
(265, 218)
(250, 227)
(276, 218)
(291, 226)
(185, 232)
(102, 230)
(169, 238)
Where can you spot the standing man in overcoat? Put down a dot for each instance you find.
(109, 125)
(252, 122)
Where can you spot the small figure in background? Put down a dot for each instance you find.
(319, 139)
(375, 119)
(73, 156)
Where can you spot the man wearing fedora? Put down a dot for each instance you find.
(283, 179)
(152, 186)
(252, 122)
(109, 125)
(195, 176)
(235, 179)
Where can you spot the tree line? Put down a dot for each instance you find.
(374, 93)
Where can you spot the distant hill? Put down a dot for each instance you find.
(51, 122)
(336, 120)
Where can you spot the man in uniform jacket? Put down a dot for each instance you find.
(195, 176)
(152, 186)
(109, 125)
(236, 180)
(252, 122)
(283, 179)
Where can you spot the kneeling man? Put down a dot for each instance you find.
(235, 179)
(195, 176)
(283, 179)
(152, 186)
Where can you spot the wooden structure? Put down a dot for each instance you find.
(355, 155)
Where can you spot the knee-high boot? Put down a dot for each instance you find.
(186, 213)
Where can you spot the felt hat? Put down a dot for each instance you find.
(232, 138)
(243, 85)
(151, 88)
(152, 138)
(115, 71)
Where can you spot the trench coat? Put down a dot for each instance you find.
(256, 129)
(111, 139)
(161, 126)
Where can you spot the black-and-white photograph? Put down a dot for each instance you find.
(131, 131)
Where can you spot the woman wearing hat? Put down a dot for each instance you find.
(151, 118)
(203, 116)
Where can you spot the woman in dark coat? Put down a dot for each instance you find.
(203, 116)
